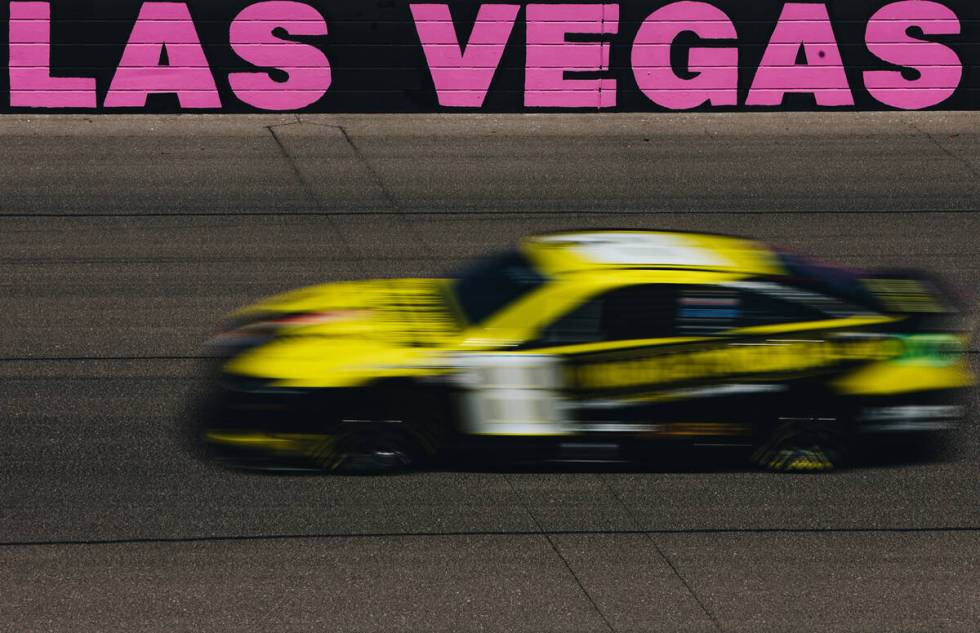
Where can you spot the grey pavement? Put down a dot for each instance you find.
(123, 240)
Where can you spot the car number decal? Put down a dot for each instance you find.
(508, 394)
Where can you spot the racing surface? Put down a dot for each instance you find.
(123, 240)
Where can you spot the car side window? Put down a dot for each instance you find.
(764, 309)
(633, 312)
(581, 325)
(706, 310)
(667, 310)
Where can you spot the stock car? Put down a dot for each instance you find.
(587, 345)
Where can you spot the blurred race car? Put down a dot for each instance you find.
(589, 345)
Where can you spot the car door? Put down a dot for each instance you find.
(532, 390)
(623, 375)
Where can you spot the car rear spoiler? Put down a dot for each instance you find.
(928, 302)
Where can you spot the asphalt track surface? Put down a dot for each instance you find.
(124, 239)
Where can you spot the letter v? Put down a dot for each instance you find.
(462, 78)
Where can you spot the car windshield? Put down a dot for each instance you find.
(494, 282)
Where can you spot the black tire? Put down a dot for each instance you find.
(803, 445)
(400, 425)
(369, 448)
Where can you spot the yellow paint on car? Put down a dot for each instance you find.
(370, 330)
(885, 378)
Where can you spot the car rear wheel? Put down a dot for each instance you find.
(802, 445)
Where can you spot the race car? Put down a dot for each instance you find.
(590, 345)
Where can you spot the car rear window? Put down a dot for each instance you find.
(838, 282)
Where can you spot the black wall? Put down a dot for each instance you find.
(378, 65)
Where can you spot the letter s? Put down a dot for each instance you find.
(887, 37)
(253, 39)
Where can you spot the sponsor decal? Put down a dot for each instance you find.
(763, 358)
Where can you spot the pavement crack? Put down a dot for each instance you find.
(578, 581)
(945, 150)
(297, 172)
(663, 555)
(558, 553)
(385, 192)
(372, 172)
(374, 176)
(687, 585)
(308, 190)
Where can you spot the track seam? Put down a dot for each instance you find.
(945, 150)
(485, 533)
(458, 213)
(578, 581)
(554, 547)
(300, 178)
(304, 184)
(376, 178)
(656, 546)
(87, 359)
(387, 193)
(687, 585)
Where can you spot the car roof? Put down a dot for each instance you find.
(571, 252)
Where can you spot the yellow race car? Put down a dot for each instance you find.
(589, 345)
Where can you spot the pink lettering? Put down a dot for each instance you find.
(462, 78)
(549, 55)
(307, 67)
(938, 66)
(159, 26)
(806, 25)
(31, 83)
(716, 80)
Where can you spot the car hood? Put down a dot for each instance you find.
(341, 334)
(412, 312)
